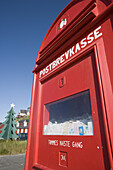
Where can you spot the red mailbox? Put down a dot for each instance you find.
(71, 121)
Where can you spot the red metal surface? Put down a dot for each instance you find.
(89, 68)
(82, 80)
(68, 55)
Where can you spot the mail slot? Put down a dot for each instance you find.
(71, 119)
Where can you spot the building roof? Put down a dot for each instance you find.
(23, 111)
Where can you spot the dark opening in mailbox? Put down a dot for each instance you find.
(71, 119)
(69, 116)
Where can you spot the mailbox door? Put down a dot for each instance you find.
(71, 125)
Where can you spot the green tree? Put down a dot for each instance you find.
(9, 128)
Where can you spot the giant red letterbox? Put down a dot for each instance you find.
(71, 121)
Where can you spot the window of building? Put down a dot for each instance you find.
(25, 130)
(22, 130)
(17, 125)
(25, 123)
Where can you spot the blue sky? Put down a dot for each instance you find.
(23, 25)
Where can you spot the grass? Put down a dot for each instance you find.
(12, 147)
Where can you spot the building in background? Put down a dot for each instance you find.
(22, 129)
(1, 126)
(23, 123)
(23, 113)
